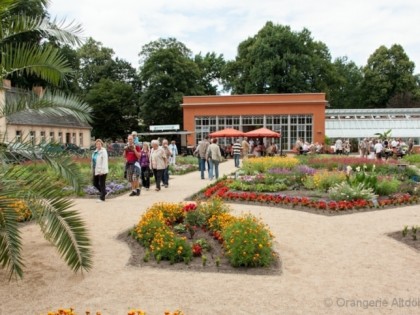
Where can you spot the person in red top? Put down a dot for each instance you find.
(132, 167)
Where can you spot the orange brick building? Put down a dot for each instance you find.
(294, 115)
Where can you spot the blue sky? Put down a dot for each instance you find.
(349, 28)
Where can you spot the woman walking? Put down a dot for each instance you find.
(158, 160)
(145, 165)
(99, 165)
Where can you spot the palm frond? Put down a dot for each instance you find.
(45, 62)
(10, 239)
(61, 226)
(65, 32)
(56, 104)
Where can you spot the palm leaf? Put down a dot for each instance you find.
(54, 104)
(10, 239)
(61, 226)
(45, 62)
(64, 32)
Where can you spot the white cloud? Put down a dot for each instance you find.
(349, 28)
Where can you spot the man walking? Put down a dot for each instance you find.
(237, 148)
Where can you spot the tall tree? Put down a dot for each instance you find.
(388, 73)
(167, 72)
(211, 67)
(345, 89)
(61, 225)
(113, 104)
(278, 60)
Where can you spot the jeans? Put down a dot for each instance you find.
(202, 167)
(165, 176)
(213, 169)
(99, 183)
(236, 159)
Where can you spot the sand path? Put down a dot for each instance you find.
(331, 265)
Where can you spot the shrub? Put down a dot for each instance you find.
(167, 246)
(387, 186)
(248, 243)
(147, 229)
(261, 165)
(323, 180)
(346, 191)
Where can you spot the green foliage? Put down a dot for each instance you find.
(23, 56)
(405, 231)
(248, 243)
(257, 187)
(367, 180)
(279, 60)
(213, 207)
(388, 73)
(349, 192)
(414, 232)
(167, 73)
(166, 246)
(388, 186)
(147, 231)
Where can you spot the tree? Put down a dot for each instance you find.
(277, 60)
(167, 73)
(211, 68)
(345, 89)
(388, 73)
(62, 226)
(113, 104)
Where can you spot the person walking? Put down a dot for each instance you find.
(214, 156)
(174, 151)
(245, 148)
(145, 165)
(201, 151)
(99, 164)
(158, 160)
(132, 155)
(168, 153)
(237, 148)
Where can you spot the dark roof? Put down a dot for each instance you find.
(36, 118)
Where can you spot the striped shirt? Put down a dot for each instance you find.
(237, 148)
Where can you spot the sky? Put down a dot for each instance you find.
(353, 28)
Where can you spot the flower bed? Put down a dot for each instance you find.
(221, 190)
(183, 232)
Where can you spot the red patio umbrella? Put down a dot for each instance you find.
(262, 133)
(226, 133)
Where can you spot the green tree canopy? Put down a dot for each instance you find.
(388, 73)
(345, 89)
(278, 60)
(114, 105)
(167, 73)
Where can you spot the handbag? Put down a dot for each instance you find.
(150, 173)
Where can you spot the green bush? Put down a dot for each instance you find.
(167, 246)
(248, 243)
(388, 186)
(347, 191)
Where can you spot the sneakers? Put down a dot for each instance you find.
(133, 193)
(166, 186)
(100, 200)
(138, 192)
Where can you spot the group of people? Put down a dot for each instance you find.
(397, 147)
(255, 148)
(304, 147)
(142, 161)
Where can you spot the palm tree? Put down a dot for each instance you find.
(61, 225)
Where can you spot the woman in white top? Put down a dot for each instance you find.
(100, 168)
